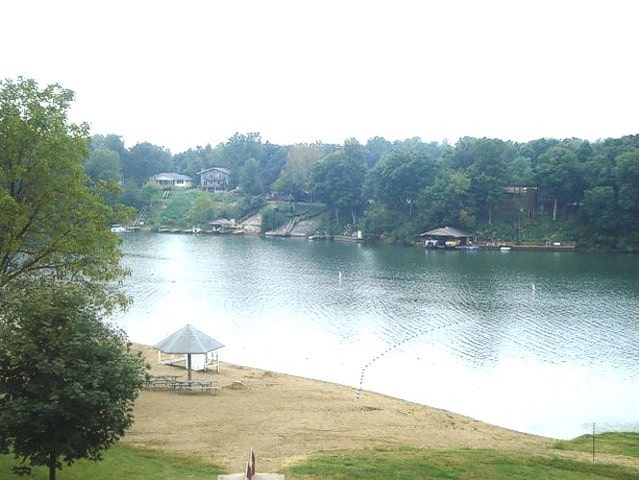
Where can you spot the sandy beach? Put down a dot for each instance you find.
(284, 418)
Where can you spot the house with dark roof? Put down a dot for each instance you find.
(215, 178)
(169, 180)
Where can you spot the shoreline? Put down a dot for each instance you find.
(286, 417)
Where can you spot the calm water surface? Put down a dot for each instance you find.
(545, 343)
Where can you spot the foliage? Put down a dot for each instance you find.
(203, 209)
(338, 180)
(124, 462)
(187, 208)
(67, 380)
(145, 160)
(272, 218)
(103, 164)
(400, 176)
(557, 174)
(195, 160)
(53, 221)
(248, 178)
(295, 176)
(447, 200)
(132, 195)
(429, 184)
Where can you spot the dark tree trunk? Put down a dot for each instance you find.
(52, 465)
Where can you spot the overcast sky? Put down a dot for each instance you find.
(186, 73)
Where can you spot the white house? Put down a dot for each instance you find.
(172, 180)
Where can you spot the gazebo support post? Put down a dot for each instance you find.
(188, 365)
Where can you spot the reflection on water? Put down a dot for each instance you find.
(540, 342)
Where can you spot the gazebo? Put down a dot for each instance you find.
(188, 341)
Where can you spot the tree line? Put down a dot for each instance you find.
(398, 189)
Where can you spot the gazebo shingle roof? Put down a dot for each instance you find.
(188, 340)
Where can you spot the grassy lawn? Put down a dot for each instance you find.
(622, 443)
(424, 464)
(124, 463)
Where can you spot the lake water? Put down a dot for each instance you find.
(540, 342)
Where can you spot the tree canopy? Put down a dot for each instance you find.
(67, 380)
(53, 220)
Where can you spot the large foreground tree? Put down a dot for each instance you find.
(53, 221)
(67, 380)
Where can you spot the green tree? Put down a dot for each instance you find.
(145, 160)
(195, 160)
(400, 176)
(519, 172)
(295, 176)
(338, 180)
(68, 381)
(103, 164)
(203, 209)
(488, 174)
(558, 175)
(133, 195)
(627, 175)
(110, 142)
(248, 178)
(375, 149)
(600, 210)
(52, 223)
(446, 201)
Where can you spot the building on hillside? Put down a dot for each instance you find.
(215, 178)
(169, 180)
(446, 237)
(520, 199)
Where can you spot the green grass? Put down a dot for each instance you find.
(622, 443)
(424, 464)
(175, 210)
(123, 462)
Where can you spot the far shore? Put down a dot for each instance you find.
(285, 418)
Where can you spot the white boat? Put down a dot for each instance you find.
(504, 249)
(117, 228)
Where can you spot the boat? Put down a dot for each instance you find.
(117, 228)
(452, 244)
(505, 249)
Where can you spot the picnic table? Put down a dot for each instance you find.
(161, 382)
(204, 386)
